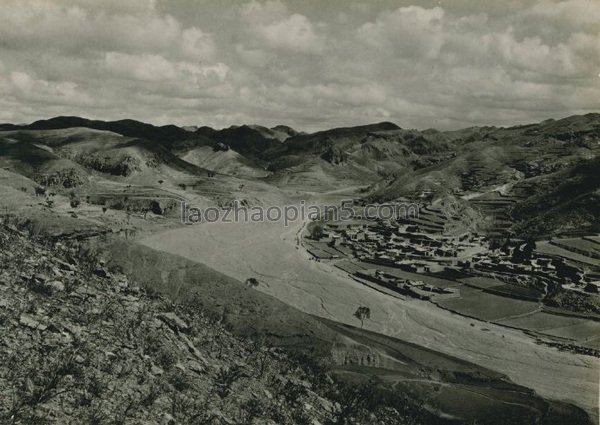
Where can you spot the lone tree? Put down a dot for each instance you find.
(362, 313)
(252, 282)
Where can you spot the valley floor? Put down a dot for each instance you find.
(271, 253)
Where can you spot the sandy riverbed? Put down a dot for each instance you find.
(269, 252)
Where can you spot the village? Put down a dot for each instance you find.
(421, 245)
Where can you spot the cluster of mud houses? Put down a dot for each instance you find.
(544, 272)
(412, 288)
(401, 244)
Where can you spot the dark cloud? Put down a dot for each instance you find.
(309, 64)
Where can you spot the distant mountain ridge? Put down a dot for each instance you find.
(388, 161)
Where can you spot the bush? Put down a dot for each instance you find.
(225, 378)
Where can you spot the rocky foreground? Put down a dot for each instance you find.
(82, 344)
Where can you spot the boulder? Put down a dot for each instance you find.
(56, 286)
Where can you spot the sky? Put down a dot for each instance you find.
(309, 64)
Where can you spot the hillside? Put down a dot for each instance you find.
(552, 164)
(83, 344)
(131, 128)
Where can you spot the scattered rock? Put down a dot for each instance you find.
(30, 322)
(56, 286)
(326, 404)
(217, 414)
(167, 419)
(196, 367)
(41, 277)
(101, 273)
(156, 370)
(192, 348)
(173, 321)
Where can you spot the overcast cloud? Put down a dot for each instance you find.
(306, 63)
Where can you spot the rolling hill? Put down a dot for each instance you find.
(550, 164)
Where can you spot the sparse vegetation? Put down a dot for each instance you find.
(119, 359)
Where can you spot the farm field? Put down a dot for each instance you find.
(581, 246)
(584, 331)
(586, 243)
(484, 306)
(540, 321)
(549, 249)
(594, 238)
(482, 282)
(349, 266)
(510, 290)
(593, 343)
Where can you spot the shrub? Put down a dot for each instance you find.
(225, 378)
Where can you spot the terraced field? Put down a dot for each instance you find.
(570, 249)
(583, 246)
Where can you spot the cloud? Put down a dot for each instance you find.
(570, 14)
(408, 31)
(306, 64)
(73, 29)
(294, 33)
(270, 25)
(25, 86)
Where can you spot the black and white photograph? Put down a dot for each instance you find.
(299, 212)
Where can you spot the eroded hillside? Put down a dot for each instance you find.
(83, 344)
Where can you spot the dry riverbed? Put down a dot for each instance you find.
(270, 253)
